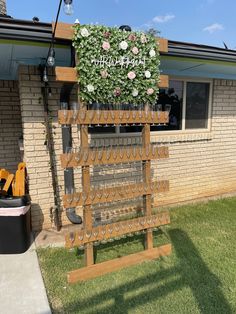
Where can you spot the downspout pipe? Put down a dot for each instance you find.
(50, 145)
(67, 142)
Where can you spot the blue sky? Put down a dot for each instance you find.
(207, 22)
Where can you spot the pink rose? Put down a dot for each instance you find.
(131, 75)
(106, 46)
(106, 34)
(117, 91)
(135, 50)
(150, 91)
(132, 37)
(104, 74)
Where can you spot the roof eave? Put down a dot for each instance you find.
(189, 50)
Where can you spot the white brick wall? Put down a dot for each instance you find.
(10, 125)
(36, 153)
(202, 168)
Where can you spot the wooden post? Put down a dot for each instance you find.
(147, 180)
(87, 210)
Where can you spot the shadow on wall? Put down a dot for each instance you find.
(185, 270)
(37, 217)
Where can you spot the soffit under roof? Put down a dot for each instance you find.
(12, 54)
(199, 68)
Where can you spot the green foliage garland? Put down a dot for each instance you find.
(116, 66)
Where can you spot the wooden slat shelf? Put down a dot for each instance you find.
(97, 270)
(116, 230)
(117, 117)
(66, 74)
(113, 194)
(111, 155)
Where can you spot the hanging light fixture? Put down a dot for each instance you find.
(51, 57)
(45, 75)
(68, 7)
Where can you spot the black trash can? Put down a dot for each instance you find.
(15, 224)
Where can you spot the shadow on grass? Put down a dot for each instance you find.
(195, 274)
(190, 272)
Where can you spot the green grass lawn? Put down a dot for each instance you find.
(198, 277)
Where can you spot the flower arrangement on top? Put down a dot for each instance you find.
(116, 66)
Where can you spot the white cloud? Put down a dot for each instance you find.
(163, 18)
(213, 28)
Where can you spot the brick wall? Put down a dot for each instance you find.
(36, 153)
(203, 165)
(200, 164)
(10, 125)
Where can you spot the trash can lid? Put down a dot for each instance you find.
(14, 201)
(14, 211)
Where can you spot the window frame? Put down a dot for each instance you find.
(183, 130)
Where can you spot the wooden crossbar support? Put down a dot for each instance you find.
(65, 31)
(116, 230)
(114, 194)
(96, 270)
(66, 74)
(163, 45)
(164, 81)
(117, 117)
(109, 155)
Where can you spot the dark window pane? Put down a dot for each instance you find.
(94, 129)
(197, 100)
(174, 97)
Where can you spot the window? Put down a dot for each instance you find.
(190, 102)
(197, 102)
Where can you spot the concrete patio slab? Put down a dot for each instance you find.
(53, 238)
(21, 284)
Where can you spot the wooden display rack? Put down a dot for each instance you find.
(86, 157)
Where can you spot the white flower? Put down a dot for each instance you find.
(90, 88)
(84, 32)
(135, 92)
(123, 45)
(143, 39)
(152, 53)
(147, 74)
